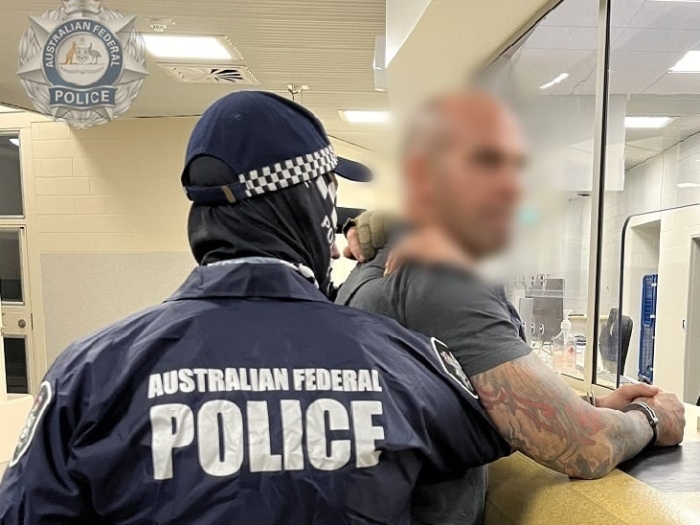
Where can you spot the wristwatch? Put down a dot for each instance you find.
(645, 409)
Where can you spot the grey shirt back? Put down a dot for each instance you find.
(481, 329)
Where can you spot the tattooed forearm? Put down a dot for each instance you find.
(542, 417)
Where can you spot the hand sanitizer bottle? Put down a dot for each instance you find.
(564, 348)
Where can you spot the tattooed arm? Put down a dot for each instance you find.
(530, 405)
(541, 416)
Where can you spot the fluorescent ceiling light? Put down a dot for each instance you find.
(688, 185)
(560, 78)
(690, 63)
(685, 1)
(647, 122)
(188, 47)
(365, 116)
(15, 141)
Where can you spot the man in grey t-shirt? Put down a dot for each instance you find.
(461, 167)
(477, 325)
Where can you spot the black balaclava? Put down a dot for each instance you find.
(296, 225)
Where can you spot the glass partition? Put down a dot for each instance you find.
(653, 163)
(549, 79)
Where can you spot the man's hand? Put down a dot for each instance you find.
(427, 246)
(671, 414)
(369, 233)
(625, 395)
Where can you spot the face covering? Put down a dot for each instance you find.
(296, 224)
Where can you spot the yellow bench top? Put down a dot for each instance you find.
(521, 492)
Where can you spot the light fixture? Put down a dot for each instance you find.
(688, 185)
(684, 1)
(690, 63)
(191, 47)
(15, 141)
(560, 78)
(365, 116)
(647, 122)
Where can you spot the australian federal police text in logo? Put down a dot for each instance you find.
(84, 79)
(82, 63)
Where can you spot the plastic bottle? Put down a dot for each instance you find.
(564, 348)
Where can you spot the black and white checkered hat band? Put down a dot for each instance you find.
(260, 181)
(289, 173)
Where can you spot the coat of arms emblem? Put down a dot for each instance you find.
(81, 63)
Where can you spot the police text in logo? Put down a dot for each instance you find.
(82, 63)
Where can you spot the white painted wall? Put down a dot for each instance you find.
(401, 18)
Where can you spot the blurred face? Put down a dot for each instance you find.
(469, 181)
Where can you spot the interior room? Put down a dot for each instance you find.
(606, 255)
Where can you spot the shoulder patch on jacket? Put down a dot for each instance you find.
(41, 403)
(452, 367)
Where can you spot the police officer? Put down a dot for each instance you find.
(248, 397)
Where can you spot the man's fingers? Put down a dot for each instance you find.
(396, 258)
(641, 390)
(354, 248)
(390, 265)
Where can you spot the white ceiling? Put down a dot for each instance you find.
(648, 37)
(326, 44)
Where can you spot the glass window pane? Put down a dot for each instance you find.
(653, 163)
(549, 79)
(10, 177)
(10, 267)
(16, 365)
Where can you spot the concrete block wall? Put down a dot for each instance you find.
(110, 188)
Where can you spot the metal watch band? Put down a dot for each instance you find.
(649, 413)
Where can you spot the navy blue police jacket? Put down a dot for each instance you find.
(247, 397)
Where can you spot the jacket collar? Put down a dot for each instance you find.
(249, 277)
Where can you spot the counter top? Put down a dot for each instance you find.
(660, 488)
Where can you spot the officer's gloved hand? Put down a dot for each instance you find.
(366, 234)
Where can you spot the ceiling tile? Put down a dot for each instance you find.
(655, 40)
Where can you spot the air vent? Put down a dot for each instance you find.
(209, 74)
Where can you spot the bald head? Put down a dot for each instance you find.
(463, 155)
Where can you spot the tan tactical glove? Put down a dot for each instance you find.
(366, 234)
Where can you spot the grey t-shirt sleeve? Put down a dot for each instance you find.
(464, 313)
